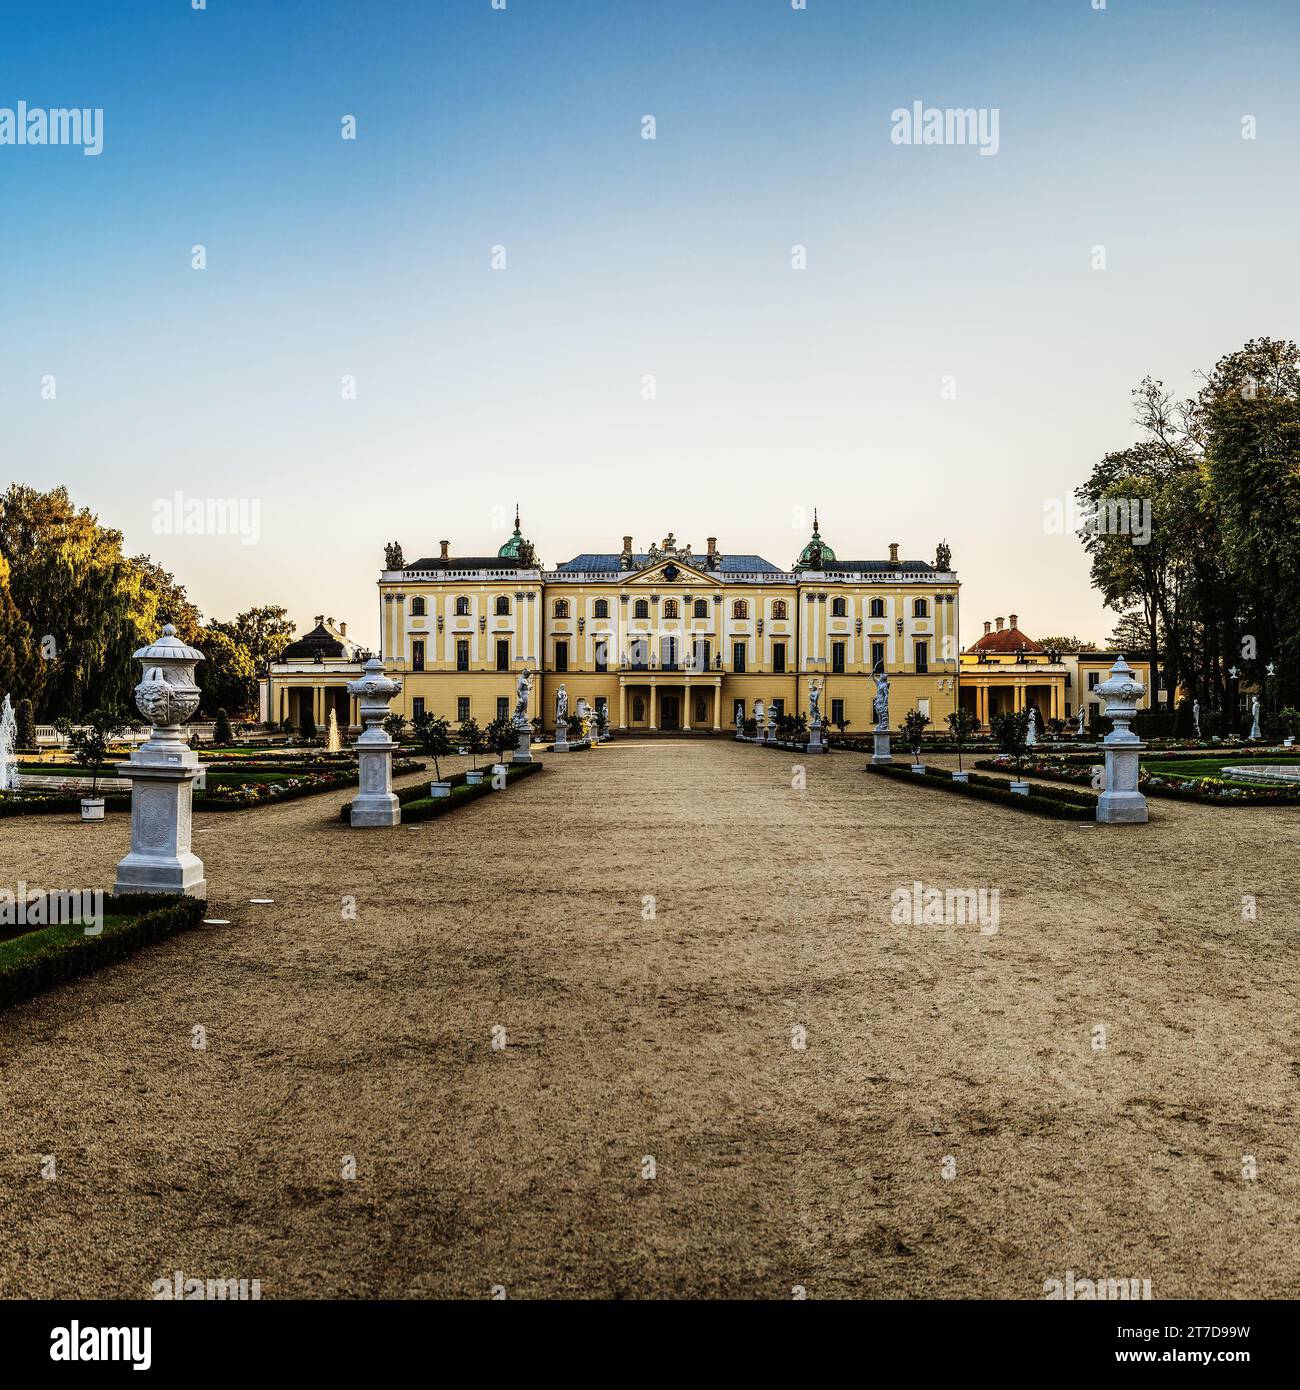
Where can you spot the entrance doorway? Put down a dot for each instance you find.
(670, 716)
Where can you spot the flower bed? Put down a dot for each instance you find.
(47, 956)
(1061, 804)
(1208, 790)
(418, 805)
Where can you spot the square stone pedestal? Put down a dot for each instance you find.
(160, 861)
(882, 753)
(1121, 803)
(817, 739)
(524, 752)
(375, 803)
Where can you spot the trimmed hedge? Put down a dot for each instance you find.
(1235, 794)
(1062, 804)
(417, 805)
(130, 923)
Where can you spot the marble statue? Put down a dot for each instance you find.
(1079, 730)
(1254, 718)
(814, 702)
(1031, 736)
(523, 689)
(880, 705)
(758, 713)
(561, 707)
(393, 556)
(8, 737)
(1196, 718)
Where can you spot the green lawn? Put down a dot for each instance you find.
(16, 949)
(1195, 768)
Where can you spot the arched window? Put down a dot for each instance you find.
(740, 609)
(838, 608)
(561, 609)
(701, 608)
(602, 608)
(778, 610)
(877, 607)
(671, 609)
(462, 607)
(920, 609)
(417, 608)
(641, 609)
(503, 606)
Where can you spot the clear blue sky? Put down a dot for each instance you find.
(777, 389)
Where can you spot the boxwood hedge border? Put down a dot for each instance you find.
(417, 805)
(1062, 805)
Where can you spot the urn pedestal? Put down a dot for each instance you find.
(817, 738)
(162, 773)
(374, 804)
(1121, 803)
(562, 738)
(524, 752)
(882, 753)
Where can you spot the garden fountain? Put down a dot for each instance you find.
(8, 737)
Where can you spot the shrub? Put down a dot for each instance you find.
(395, 727)
(1059, 803)
(914, 727)
(25, 719)
(89, 741)
(1010, 730)
(221, 732)
(433, 738)
(961, 725)
(501, 737)
(471, 739)
(307, 730)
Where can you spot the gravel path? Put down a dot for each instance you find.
(631, 1035)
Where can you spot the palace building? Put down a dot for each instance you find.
(666, 639)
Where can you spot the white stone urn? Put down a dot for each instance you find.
(374, 803)
(1121, 803)
(162, 773)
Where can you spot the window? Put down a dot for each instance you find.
(641, 608)
(778, 657)
(778, 610)
(837, 658)
(877, 656)
(738, 657)
(1093, 678)
(638, 709)
(738, 712)
(668, 653)
(740, 609)
(462, 653)
(502, 606)
(602, 654)
(561, 609)
(923, 707)
(671, 609)
(839, 608)
(602, 608)
(640, 653)
(417, 656)
(417, 707)
(837, 712)
(778, 708)
(417, 608)
(503, 706)
(503, 653)
(462, 708)
(920, 608)
(561, 656)
(921, 652)
(877, 607)
(701, 608)
(462, 607)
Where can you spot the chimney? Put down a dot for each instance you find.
(893, 552)
(320, 618)
(713, 547)
(343, 629)
(446, 549)
(999, 624)
(1012, 623)
(988, 627)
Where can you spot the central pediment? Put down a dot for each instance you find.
(674, 572)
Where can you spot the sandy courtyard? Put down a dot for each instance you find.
(634, 1036)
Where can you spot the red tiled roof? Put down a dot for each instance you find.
(1010, 639)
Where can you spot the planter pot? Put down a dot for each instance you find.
(473, 778)
(92, 808)
(1020, 788)
(1288, 742)
(918, 769)
(961, 776)
(498, 767)
(439, 788)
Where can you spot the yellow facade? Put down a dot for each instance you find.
(667, 640)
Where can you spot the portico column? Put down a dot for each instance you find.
(654, 712)
(686, 713)
(982, 702)
(318, 704)
(717, 706)
(622, 705)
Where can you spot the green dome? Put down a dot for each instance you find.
(816, 553)
(513, 548)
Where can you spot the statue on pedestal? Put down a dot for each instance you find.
(1079, 729)
(1196, 718)
(561, 707)
(880, 705)
(523, 689)
(814, 702)
(1031, 737)
(1254, 718)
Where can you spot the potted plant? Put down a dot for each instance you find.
(602, 722)
(961, 725)
(1010, 732)
(433, 738)
(471, 738)
(914, 725)
(574, 721)
(88, 743)
(1289, 717)
(501, 737)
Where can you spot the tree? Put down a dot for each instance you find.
(914, 726)
(25, 720)
(89, 740)
(471, 737)
(1067, 644)
(221, 733)
(263, 633)
(501, 736)
(1010, 732)
(395, 726)
(226, 675)
(307, 729)
(433, 738)
(961, 725)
